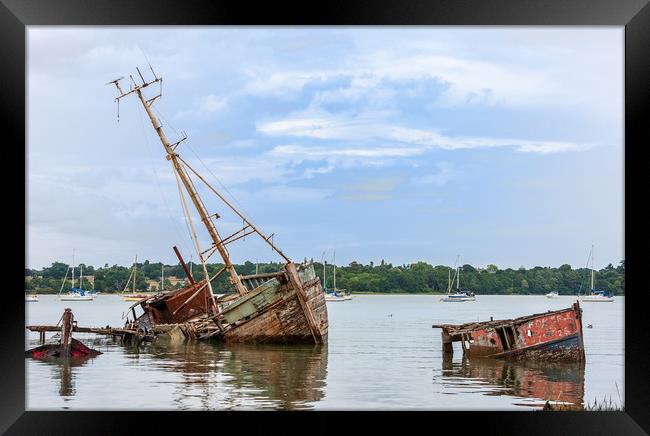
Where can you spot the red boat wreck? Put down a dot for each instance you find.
(68, 347)
(554, 335)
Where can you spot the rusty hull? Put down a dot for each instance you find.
(271, 311)
(552, 336)
(173, 307)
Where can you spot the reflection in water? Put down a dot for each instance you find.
(242, 376)
(554, 382)
(62, 370)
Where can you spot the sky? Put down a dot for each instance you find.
(499, 145)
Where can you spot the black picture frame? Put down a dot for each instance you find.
(15, 15)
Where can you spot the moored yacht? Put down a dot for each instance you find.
(596, 295)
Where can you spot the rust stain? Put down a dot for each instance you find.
(554, 335)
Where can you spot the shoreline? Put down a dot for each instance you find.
(391, 293)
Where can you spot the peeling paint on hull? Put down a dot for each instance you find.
(270, 312)
(552, 336)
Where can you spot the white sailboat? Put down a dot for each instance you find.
(75, 294)
(458, 296)
(335, 294)
(553, 294)
(596, 295)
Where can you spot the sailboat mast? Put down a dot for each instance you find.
(334, 262)
(135, 271)
(449, 281)
(81, 276)
(64, 277)
(162, 277)
(73, 268)
(194, 196)
(592, 267)
(458, 278)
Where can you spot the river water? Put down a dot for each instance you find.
(382, 354)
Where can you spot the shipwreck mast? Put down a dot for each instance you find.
(181, 168)
(181, 174)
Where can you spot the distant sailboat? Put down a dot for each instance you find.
(552, 294)
(596, 295)
(75, 294)
(458, 296)
(133, 296)
(335, 294)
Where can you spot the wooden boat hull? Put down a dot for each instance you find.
(565, 348)
(552, 336)
(272, 312)
(77, 350)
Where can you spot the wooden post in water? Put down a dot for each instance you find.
(447, 345)
(66, 332)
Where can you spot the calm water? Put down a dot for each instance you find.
(382, 354)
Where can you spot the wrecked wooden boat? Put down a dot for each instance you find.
(286, 306)
(552, 336)
(67, 346)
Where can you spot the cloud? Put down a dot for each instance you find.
(297, 115)
(312, 153)
(377, 126)
(467, 81)
(212, 103)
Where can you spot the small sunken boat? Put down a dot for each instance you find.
(552, 336)
(287, 306)
(67, 346)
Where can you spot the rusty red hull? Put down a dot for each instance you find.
(551, 336)
(177, 306)
(77, 350)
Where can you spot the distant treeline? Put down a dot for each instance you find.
(419, 277)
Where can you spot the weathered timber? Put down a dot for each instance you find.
(554, 335)
(108, 331)
(292, 273)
